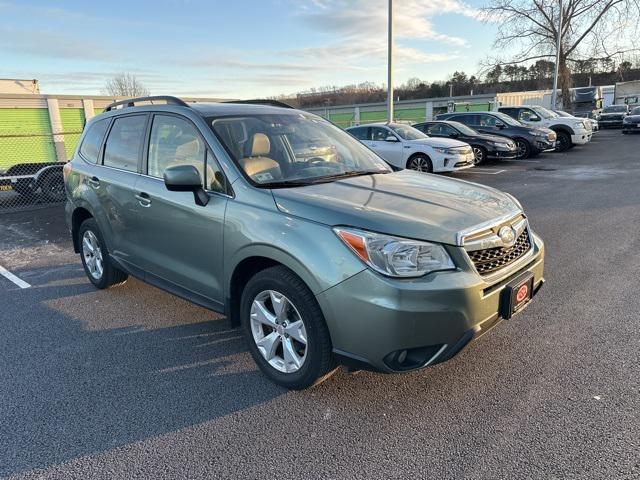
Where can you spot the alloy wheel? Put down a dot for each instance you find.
(521, 149)
(92, 254)
(478, 155)
(420, 164)
(278, 331)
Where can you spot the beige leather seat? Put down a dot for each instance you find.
(258, 161)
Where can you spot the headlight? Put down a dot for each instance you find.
(500, 144)
(446, 151)
(394, 256)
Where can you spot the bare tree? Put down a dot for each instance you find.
(593, 29)
(125, 85)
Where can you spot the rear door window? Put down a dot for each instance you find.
(90, 148)
(124, 143)
(360, 133)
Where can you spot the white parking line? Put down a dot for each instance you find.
(485, 171)
(10, 276)
(524, 161)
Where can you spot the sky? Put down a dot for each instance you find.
(236, 49)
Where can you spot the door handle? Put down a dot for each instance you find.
(94, 182)
(143, 199)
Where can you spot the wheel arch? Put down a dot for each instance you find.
(562, 128)
(79, 215)
(254, 260)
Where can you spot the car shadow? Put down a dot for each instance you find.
(83, 373)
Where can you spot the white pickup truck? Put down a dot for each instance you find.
(571, 131)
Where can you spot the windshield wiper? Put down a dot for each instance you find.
(348, 174)
(286, 183)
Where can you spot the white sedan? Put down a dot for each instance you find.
(406, 147)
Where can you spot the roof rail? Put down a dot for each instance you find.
(273, 103)
(132, 101)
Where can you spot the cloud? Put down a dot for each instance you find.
(41, 43)
(367, 19)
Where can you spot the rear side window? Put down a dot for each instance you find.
(360, 133)
(124, 142)
(90, 148)
(466, 119)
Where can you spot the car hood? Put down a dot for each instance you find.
(632, 118)
(406, 203)
(612, 114)
(493, 138)
(437, 142)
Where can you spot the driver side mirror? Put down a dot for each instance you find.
(391, 138)
(500, 125)
(454, 135)
(534, 118)
(186, 178)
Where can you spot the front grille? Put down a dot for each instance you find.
(493, 259)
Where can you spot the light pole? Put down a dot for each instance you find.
(554, 96)
(390, 65)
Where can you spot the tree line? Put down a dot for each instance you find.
(498, 79)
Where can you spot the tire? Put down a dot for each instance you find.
(420, 163)
(479, 154)
(523, 147)
(314, 360)
(52, 187)
(110, 275)
(563, 142)
(24, 189)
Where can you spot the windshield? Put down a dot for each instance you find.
(407, 132)
(507, 119)
(463, 129)
(615, 109)
(292, 149)
(544, 113)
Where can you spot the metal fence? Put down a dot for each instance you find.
(31, 170)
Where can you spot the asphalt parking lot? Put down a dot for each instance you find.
(135, 383)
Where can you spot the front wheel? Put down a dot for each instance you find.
(285, 329)
(523, 148)
(420, 163)
(563, 142)
(479, 155)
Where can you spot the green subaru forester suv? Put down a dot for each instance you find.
(322, 259)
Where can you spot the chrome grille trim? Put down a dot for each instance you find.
(483, 245)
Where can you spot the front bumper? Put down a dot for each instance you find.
(453, 162)
(631, 127)
(502, 153)
(370, 316)
(610, 123)
(544, 145)
(581, 137)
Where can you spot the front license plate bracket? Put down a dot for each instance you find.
(516, 294)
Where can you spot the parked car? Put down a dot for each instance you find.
(319, 262)
(631, 122)
(570, 131)
(594, 123)
(406, 147)
(41, 181)
(484, 146)
(529, 141)
(613, 116)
